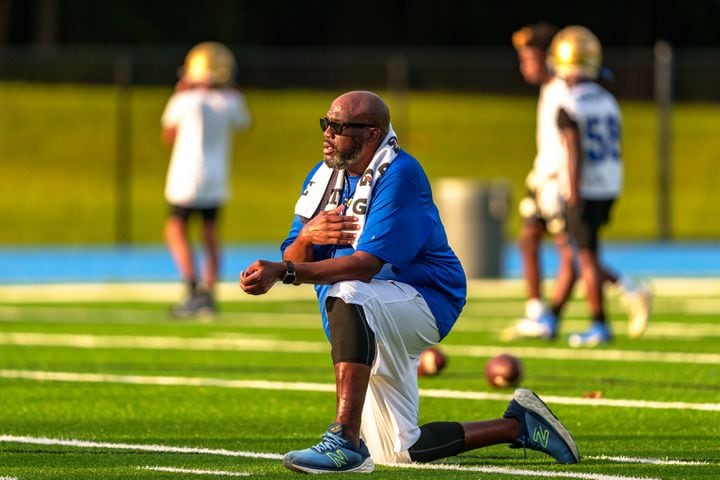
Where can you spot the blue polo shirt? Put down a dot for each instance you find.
(403, 229)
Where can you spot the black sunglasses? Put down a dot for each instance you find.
(338, 127)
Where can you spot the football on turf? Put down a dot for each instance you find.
(432, 361)
(503, 371)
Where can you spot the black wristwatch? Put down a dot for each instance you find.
(289, 276)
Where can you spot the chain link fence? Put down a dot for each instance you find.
(50, 187)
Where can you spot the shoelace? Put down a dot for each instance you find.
(329, 442)
(522, 442)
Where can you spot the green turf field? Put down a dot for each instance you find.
(118, 390)
(59, 147)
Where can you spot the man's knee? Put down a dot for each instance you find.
(351, 338)
(438, 440)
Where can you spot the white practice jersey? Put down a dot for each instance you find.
(548, 160)
(199, 166)
(597, 115)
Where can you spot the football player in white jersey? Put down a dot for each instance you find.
(199, 120)
(589, 123)
(542, 209)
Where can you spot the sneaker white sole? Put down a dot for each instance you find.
(368, 466)
(532, 402)
(527, 328)
(639, 310)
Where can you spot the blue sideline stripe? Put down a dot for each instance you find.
(153, 263)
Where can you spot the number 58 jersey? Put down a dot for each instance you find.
(596, 114)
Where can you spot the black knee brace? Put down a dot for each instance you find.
(438, 440)
(351, 338)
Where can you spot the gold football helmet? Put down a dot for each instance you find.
(575, 51)
(209, 63)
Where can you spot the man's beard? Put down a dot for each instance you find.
(341, 159)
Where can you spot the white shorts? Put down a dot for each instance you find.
(404, 326)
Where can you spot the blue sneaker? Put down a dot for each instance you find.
(544, 327)
(333, 454)
(597, 334)
(539, 429)
(549, 323)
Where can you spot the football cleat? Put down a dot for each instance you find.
(597, 334)
(544, 327)
(333, 454)
(540, 429)
(200, 303)
(637, 303)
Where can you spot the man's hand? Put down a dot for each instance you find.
(330, 228)
(259, 277)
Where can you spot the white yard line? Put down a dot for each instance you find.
(230, 291)
(273, 456)
(136, 446)
(266, 343)
(165, 381)
(519, 472)
(489, 316)
(598, 402)
(327, 387)
(245, 343)
(650, 461)
(584, 354)
(194, 471)
(140, 292)
(683, 330)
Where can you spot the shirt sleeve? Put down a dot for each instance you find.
(171, 114)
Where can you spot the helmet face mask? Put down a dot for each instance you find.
(575, 52)
(209, 63)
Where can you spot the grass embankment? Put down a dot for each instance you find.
(58, 150)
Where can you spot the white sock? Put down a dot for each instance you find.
(627, 284)
(534, 308)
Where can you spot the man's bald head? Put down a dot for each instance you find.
(361, 106)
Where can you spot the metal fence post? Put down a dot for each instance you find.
(397, 68)
(123, 138)
(663, 100)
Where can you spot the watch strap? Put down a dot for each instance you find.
(289, 276)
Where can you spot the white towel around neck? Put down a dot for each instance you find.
(309, 202)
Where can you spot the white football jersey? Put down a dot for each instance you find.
(597, 115)
(550, 157)
(199, 167)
